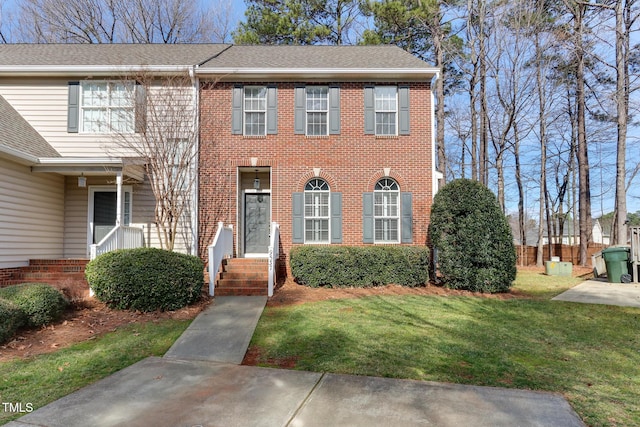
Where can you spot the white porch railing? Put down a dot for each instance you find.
(274, 254)
(221, 248)
(121, 237)
(635, 251)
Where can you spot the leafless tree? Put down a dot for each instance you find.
(117, 21)
(165, 142)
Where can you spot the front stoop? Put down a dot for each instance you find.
(243, 276)
(64, 274)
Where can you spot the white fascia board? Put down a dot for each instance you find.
(93, 70)
(345, 73)
(80, 161)
(18, 156)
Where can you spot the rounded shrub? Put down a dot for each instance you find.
(146, 279)
(41, 303)
(359, 266)
(11, 319)
(472, 237)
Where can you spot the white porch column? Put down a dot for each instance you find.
(118, 198)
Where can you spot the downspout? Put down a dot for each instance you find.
(436, 176)
(195, 235)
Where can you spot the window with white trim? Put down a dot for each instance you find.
(317, 110)
(107, 107)
(386, 211)
(316, 211)
(386, 108)
(255, 110)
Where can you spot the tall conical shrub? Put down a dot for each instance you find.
(472, 238)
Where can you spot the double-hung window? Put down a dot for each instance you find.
(317, 110)
(386, 211)
(255, 110)
(386, 107)
(316, 211)
(107, 107)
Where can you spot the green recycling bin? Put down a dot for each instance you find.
(616, 259)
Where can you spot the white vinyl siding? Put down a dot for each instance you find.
(43, 102)
(76, 216)
(31, 208)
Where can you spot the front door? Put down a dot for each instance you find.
(104, 214)
(257, 213)
(103, 210)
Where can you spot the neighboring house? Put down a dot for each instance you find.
(571, 237)
(333, 143)
(65, 183)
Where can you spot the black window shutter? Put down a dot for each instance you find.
(336, 217)
(236, 110)
(272, 110)
(403, 110)
(334, 110)
(406, 217)
(73, 108)
(297, 230)
(369, 110)
(300, 110)
(367, 218)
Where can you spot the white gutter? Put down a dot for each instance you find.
(18, 155)
(346, 73)
(83, 70)
(80, 161)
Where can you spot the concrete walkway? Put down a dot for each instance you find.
(199, 382)
(599, 291)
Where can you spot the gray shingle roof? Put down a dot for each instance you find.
(211, 56)
(107, 54)
(300, 57)
(17, 134)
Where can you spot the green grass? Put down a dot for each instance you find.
(589, 353)
(45, 378)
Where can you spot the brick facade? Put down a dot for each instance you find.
(350, 162)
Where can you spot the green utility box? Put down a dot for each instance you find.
(558, 268)
(616, 259)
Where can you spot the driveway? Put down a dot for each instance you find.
(599, 291)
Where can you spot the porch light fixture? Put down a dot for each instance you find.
(256, 181)
(82, 181)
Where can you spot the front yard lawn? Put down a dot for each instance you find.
(589, 353)
(47, 377)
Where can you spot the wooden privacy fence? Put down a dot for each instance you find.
(527, 255)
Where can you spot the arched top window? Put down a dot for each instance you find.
(317, 184)
(386, 184)
(316, 211)
(386, 211)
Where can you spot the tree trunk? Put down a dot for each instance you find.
(584, 202)
(622, 101)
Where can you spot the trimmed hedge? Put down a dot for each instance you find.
(11, 319)
(41, 303)
(146, 279)
(473, 239)
(359, 266)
